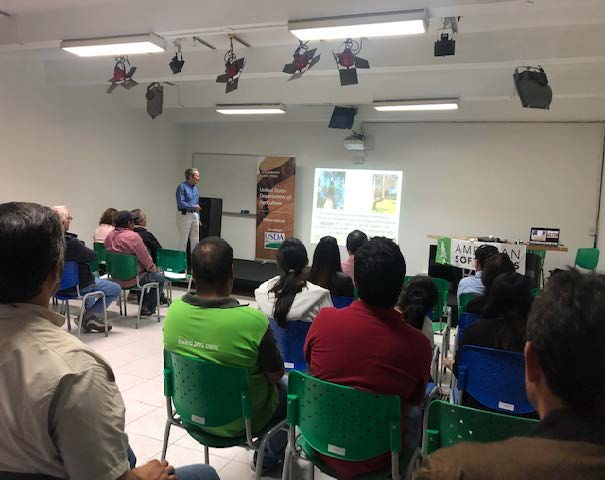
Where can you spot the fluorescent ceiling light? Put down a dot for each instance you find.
(112, 46)
(385, 24)
(251, 109)
(416, 105)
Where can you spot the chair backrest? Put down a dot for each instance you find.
(94, 267)
(463, 302)
(449, 424)
(443, 287)
(206, 394)
(69, 279)
(290, 341)
(536, 292)
(495, 378)
(99, 249)
(465, 321)
(587, 258)
(341, 302)
(121, 266)
(355, 294)
(343, 422)
(172, 260)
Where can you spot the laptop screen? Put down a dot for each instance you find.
(544, 236)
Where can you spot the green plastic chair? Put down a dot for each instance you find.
(536, 292)
(99, 249)
(463, 301)
(174, 265)
(355, 294)
(342, 422)
(446, 424)
(125, 267)
(587, 258)
(541, 254)
(206, 394)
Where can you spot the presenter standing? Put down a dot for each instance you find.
(187, 216)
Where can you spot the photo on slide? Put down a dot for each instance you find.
(385, 193)
(330, 190)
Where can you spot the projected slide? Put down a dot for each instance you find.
(345, 200)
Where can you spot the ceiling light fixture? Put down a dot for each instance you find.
(251, 109)
(416, 105)
(384, 24)
(112, 46)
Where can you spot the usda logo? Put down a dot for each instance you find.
(274, 239)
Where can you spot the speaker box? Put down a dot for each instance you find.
(532, 87)
(211, 216)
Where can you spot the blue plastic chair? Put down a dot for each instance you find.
(70, 280)
(465, 321)
(341, 302)
(495, 378)
(291, 341)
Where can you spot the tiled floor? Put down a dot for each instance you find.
(136, 357)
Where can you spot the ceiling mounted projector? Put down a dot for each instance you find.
(532, 87)
(355, 142)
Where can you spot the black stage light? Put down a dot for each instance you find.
(121, 76)
(303, 60)
(233, 70)
(155, 99)
(445, 46)
(532, 87)
(177, 62)
(343, 118)
(348, 62)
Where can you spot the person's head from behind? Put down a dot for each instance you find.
(212, 267)
(379, 272)
(418, 297)
(326, 262)
(482, 253)
(496, 265)
(355, 240)
(108, 217)
(32, 248)
(192, 176)
(124, 219)
(291, 260)
(564, 355)
(139, 217)
(64, 216)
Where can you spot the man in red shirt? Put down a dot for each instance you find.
(368, 345)
(125, 240)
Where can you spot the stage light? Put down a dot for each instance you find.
(233, 70)
(446, 45)
(177, 62)
(121, 77)
(107, 46)
(251, 109)
(303, 60)
(343, 118)
(384, 24)
(416, 105)
(532, 87)
(348, 62)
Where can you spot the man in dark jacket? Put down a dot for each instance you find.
(76, 251)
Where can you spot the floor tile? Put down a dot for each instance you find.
(179, 456)
(144, 448)
(150, 392)
(136, 409)
(152, 425)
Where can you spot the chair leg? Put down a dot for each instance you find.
(260, 456)
(105, 315)
(66, 307)
(287, 463)
(206, 455)
(166, 436)
(82, 310)
(125, 304)
(136, 325)
(157, 293)
(120, 302)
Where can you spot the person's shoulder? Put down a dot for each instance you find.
(266, 286)
(316, 289)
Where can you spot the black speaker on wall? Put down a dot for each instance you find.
(211, 216)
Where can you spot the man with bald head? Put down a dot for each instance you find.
(76, 251)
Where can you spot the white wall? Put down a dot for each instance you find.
(474, 179)
(82, 148)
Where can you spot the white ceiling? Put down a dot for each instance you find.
(564, 36)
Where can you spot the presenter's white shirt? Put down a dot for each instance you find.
(306, 305)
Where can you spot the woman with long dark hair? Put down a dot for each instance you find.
(417, 299)
(289, 296)
(327, 271)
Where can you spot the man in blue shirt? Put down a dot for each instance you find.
(187, 217)
(473, 283)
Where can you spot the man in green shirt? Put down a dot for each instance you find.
(213, 326)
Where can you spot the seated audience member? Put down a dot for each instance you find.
(367, 345)
(124, 240)
(473, 283)
(149, 239)
(106, 225)
(564, 365)
(289, 296)
(62, 414)
(417, 299)
(76, 251)
(495, 265)
(240, 336)
(326, 270)
(355, 239)
(503, 322)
